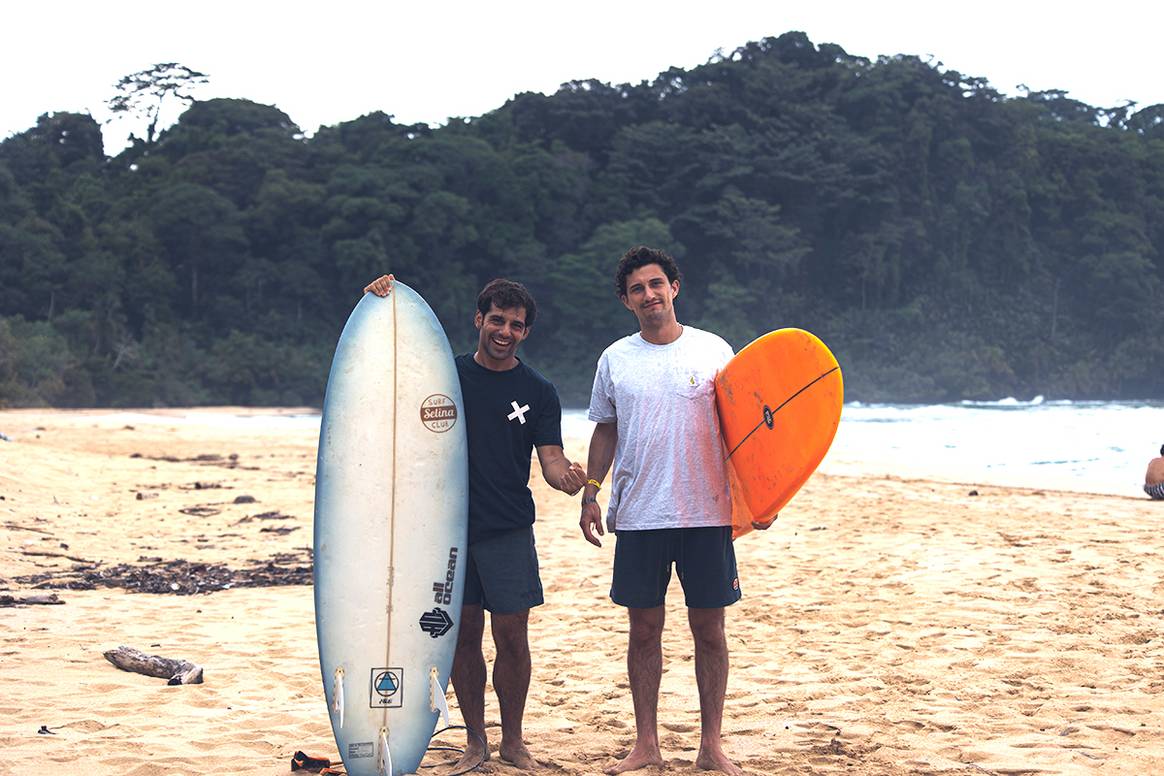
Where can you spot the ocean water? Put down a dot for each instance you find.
(1091, 447)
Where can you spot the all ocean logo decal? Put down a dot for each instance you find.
(387, 688)
(443, 590)
(438, 413)
(436, 623)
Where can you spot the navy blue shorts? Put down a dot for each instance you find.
(704, 559)
(502, 575)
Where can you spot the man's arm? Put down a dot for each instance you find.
(602, 445)
(559, 471)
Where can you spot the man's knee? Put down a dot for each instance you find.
(646, 625)
(471, 627)
(707, 627)
(511, 631)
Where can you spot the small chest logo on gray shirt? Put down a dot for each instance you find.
(518, 412)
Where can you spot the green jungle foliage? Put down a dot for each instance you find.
(945, 241)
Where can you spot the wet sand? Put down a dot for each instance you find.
(888, 625)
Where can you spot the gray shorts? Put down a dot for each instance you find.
(502, 575)
(1155, 491)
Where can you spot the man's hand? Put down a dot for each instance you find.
(572, 479)
(559, 472)
(591, 523)
(381, 286)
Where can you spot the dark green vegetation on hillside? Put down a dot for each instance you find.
(947, 242)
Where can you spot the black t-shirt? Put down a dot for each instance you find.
(507, 415)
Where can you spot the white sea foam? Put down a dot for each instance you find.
(1097, 447)
(1100, 447)
(1088, 446)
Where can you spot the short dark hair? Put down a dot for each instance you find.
(505, 294)
(1161, 449)
(641, 256)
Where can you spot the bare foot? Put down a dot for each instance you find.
(637, 759)
(474, 755)
(517, 756)
(717, 761)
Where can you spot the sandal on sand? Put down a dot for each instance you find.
(303, 762)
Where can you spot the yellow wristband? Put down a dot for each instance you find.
(595, 483)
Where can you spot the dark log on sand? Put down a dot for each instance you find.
(29, 600)
(174, 671)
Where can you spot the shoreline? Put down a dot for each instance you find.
(847, 457)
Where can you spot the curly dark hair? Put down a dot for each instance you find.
(506, 294)
(641, 256)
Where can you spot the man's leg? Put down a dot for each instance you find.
(644, 666)
(469, 684)
(511, 672)
(711, 673)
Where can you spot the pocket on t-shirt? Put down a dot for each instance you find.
(694, 383)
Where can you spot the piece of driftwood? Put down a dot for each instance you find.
(174, 671)
(29, 600)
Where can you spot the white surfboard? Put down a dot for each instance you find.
(391, 510)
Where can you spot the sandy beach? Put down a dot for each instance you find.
(888, 625)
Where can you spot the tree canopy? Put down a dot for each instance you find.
(947, 242)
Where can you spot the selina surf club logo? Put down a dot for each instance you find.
(438, 413)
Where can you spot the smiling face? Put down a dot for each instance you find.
(650, 296)
(501, 331)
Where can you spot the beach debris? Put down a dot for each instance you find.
(18, 527)
(143, 495)
(45, 731)
(177, 577)
(4, 437)
(200, 511)
(972, 493)
(38, 599)
(174, 671)
(238, 499)
(206, 459)
(274, 515)
(51, 554)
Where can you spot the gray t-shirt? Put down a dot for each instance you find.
(669, 468)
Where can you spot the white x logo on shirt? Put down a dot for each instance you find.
(518, 412)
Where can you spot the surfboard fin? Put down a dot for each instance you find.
(337, 695)
(385, 763)
(437, 702)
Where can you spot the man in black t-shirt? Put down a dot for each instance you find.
(510, 410)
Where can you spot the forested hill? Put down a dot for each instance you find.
(946, 241)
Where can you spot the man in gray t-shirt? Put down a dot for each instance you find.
(653, 404)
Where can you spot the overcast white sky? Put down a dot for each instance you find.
(428, 60)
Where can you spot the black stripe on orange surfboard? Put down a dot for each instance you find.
(804, 388)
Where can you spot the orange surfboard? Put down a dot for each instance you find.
(779, 402)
